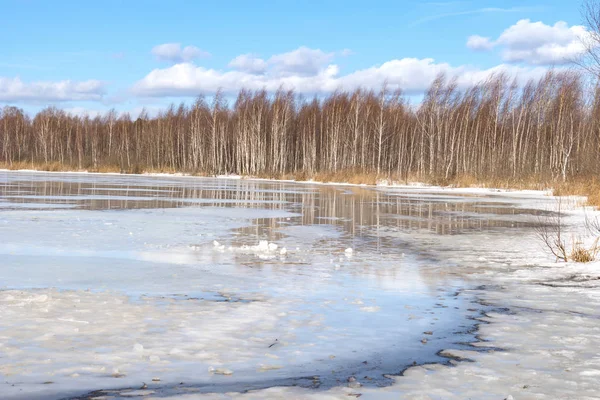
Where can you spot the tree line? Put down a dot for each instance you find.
(546, 129)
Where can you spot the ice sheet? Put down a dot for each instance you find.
(123, 288)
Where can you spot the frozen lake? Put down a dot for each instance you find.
(111, 282)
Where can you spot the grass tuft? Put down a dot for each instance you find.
(581, 254)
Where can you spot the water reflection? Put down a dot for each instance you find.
(354, 210)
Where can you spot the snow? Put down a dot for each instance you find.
(228, 285)
(544, 347)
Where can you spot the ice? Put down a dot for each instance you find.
(264, 249)
(220, 371)
(267, 290)
(112, 337)
(137, 393)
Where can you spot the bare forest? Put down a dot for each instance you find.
(546, 130)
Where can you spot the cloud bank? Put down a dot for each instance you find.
(311, 71)
(536, 43)
(173, 52)
(14, 90)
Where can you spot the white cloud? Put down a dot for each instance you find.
(300, 62)
(15, 90)
(537, 43)
(303, 61)
(416, 75)
(173, 52)
(249, 63)
(317, 76)
(479, 43)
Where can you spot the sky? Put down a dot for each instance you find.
(92, 56)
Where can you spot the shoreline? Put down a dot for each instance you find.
(381, 184)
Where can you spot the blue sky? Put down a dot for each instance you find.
(83, 55)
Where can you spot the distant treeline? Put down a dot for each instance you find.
(547, 129)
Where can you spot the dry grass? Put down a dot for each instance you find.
(468, 180)
(357, 178)
(298, 176)
(522, 183)
(165, 170)
(16, 166)
(106, 169)
(585, 187)
(352, 177)
(589, 188)
(581, 254)
(54, 166)
(550, 231)
(200, 173)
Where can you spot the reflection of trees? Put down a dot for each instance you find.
(356, 211)
(379, 223)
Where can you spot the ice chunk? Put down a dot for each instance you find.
(370, 309)
(38, 299)
(220, 371)
(218, 246)
(268, 367)
(137, 393)
(263, 249)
